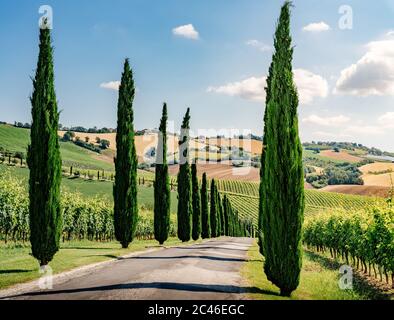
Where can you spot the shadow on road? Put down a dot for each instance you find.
(186, 257)
(207, 248)
(190, 287)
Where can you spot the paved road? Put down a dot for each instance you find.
(205, 271)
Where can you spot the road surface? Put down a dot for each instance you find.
(210, 270)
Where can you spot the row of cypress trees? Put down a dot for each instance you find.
(281, 190)
(194, 215)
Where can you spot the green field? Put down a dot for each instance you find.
(17, 139)
(319, 281)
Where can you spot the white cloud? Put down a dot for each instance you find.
(365, 130)
(373, 74)
(309, 87)
(390, 33)
(327, 121)
(317, 27)
(112, 85)
(249, 89)
(387, 120)
(186, 31)
(330, 135)
(259, 45)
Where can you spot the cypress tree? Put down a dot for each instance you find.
(44, 158)
(220, 214)
(213, 212)
(196, 201)
(125, 186)
(184, 183)
(226, 208)
(162, 184)
(282, 182)
(206, 226)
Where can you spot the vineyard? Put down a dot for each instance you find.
(83, 218)
(363, 238)
(245, 198)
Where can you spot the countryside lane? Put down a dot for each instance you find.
(210, 270)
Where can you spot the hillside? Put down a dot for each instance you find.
(378, 174)
(17, 139)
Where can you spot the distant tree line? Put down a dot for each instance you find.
(89, 130)
(101, 144)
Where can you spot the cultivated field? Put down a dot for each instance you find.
(223, 171)
(370, 191)
(378, 174)
(342, 156)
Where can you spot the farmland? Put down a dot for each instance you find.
(244, 195)
(245, 198)
(378, 174)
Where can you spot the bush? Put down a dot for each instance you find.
(104, 144)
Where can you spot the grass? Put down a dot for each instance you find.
(312, 154)
(18, 266)
(17, 139)
(319, 281)
(82, 158)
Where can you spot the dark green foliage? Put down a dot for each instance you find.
(44, 159)
(220, 214)
(125, 186)
(226, 209)
(205, 222)
(162, 184)
(213, 212)
(282, 178)
(196, 231)
(184, 183)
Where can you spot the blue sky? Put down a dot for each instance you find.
(215, 63)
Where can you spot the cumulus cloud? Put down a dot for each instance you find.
(310, 86)
(331, 135)
(187, 31)
(317, 27)
(249, 89)
(327, 121)
(373, 74)
(387, 120)
(365, 130)
(259, 45)
(112, 85)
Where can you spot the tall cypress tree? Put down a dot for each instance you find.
(196, 201)
(162, 184)
(44, 158)
(282, 182)
(213, 211)
(226, 208)
(206, 225)
(125, 186)
(184, 183)
(219, 213)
